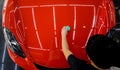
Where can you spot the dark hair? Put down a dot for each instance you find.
(103, 51)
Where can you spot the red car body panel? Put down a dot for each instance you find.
(37, 24)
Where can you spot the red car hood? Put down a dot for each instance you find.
(42, 22)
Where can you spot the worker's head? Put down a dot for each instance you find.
(103, 51)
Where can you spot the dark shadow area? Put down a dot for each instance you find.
(117, 9)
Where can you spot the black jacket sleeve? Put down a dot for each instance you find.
(77, 64)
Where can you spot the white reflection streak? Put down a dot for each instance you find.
(74, 23)
(15, 67)
(54, 19)
(33, 15)
(93, 25)
(3, 57)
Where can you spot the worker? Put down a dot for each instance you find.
(102, 52)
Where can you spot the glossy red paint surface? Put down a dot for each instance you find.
(37, 24)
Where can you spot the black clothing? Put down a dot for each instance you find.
(77, 64)
(117, 8)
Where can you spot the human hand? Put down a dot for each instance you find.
(64, 31)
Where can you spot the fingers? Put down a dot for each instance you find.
(65, 30)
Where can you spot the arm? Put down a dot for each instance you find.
(65, 47)
(75, 64)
